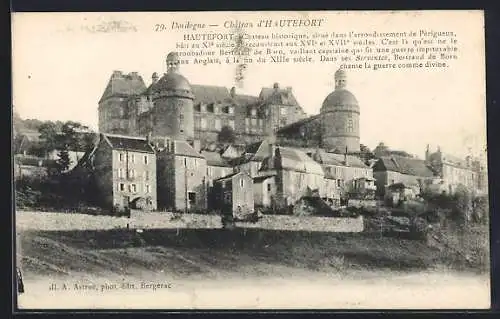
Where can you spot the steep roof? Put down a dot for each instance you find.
(130, 143)
(210, 94)
(292, 159)
(278, 96)
(328, 158)
(243, 99)
(121, 84)
(296, 125)
(403, 165)
(214, 159)
(182, 148)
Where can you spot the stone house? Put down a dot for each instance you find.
(454, 171)
(296, 175)
(123, 169)
(264, 188)
(235, 193)
(411, 172)
(345, 174)
(182, 176)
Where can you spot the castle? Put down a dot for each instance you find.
(156, 149)
(171, 106)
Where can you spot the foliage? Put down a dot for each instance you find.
(226, 135)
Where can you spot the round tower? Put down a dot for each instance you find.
(340, 118)
(173, 112)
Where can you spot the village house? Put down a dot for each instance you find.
(251, 159)
(32, 166)
(234, 193)
(454, 171)
(411, 172)
(182, 176)
(264, 188)
(124, 172)
(297, 175)
(345, 175)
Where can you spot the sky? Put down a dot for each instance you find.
(61, 68)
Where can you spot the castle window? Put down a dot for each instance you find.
(268, 187)
(131, 173)
(225, 109)
(132, 188)
(210, 107)
(146, 159)
(203, 123)
(203, 107)
(242, 183)
(350, 126)
(147, 190)
(197, 107)
(122, 187)
(120, 156)
(132, 158)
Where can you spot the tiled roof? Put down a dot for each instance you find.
(131, 143)
(214, 159)
(123, 85)
(278, 96)
(210, 94)
(404, 165)
(182, 148)
(338, 159)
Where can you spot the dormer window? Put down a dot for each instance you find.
(210, 108)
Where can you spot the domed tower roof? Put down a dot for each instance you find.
(172, 80)
(340, 96)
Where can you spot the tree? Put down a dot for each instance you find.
(49, 136)
(226, 135)
(63, 163)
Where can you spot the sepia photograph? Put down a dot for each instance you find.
(250, 160)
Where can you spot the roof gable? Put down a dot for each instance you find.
(210, 94)
(130, 143)
(328, 158)
(214, 159)
(278, 96)
(405, 165)
(182, 148)
(121, 84)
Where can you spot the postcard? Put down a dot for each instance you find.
(250, 160)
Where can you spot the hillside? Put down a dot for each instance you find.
(213, 252)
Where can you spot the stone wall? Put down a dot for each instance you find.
(140, 220)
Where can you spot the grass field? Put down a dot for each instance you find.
(360, 268)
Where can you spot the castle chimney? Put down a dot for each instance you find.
(233, 92)
(154, 78)
(276, 86)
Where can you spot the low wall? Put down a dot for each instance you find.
(308, 223)
(72, 221)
